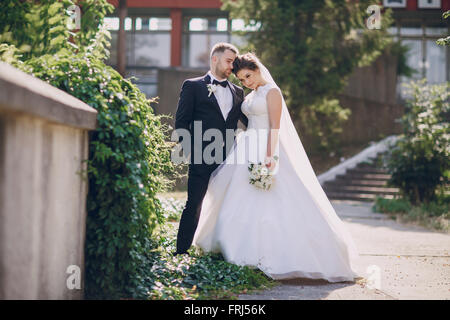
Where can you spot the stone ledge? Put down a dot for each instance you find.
(23, 93)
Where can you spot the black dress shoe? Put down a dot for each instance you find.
(177, 253)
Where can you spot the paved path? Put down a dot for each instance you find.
(412, 262)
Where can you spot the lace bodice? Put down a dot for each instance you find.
(255, 107)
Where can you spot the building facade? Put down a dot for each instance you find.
(178, 34)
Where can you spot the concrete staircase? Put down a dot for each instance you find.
(364, 182)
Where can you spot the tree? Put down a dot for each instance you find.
(41, 27)
(311, 47)
(444, 41)
(419, 161)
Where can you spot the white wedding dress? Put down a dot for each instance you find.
(283, 231)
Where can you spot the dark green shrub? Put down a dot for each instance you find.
(444, 41)
(41, 27)
(129, 153)
(420, 160)
(128, 157)
(391, 205)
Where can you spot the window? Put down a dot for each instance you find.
(222, 25)
(151, 49)
(199, 36)
(208, 24)
(198, 24)
(435, 64)
(239, 25)
(199, 48)
(128, 24)
(438, 32)
(160, 24)
(392, 30)
(411, 31)
(429, 4)
(394, 3)
(414, 56)
(148, 43)
(414, 61)
(111, 23)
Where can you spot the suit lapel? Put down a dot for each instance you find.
(212, 97)
(235, 98)
(214, 101)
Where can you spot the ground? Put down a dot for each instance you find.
(412, 262)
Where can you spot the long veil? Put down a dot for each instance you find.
(293, 147)
(289, 141)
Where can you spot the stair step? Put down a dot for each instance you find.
(355, 196)
(362, 189)
(367, 165)
(356, 182)
(362, 176)
(370, 170)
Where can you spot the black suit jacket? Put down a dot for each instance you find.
(195, 105)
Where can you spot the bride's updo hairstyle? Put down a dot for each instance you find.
(245, 61)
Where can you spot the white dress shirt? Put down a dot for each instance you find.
(223, 96)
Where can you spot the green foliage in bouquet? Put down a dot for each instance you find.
(260, 176)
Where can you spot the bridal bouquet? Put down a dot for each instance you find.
(260, 176)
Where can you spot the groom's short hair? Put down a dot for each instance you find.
(221, 47)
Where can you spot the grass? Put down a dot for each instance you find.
(199, 275)
(434, 215)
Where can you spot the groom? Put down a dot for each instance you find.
(213, 103)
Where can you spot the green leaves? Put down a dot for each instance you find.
(311, 47)
(42, 27)
(444, 41)
(197, 276)
(420, 159)
(122, 205)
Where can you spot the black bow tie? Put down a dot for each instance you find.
(222, 83)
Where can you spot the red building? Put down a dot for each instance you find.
(180, 33)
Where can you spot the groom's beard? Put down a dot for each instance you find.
(221, 74)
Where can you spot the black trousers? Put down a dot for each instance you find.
(197, 185)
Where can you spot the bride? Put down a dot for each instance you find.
(290, 229)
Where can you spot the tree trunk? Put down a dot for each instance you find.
(121, 43)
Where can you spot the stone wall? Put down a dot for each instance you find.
(43, 142)
(371, 95)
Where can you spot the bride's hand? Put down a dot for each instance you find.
(270, 163)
